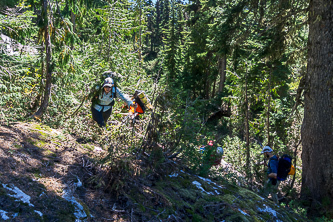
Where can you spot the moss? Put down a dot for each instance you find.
(229, 198)
(237, 217)
(255, 218)
(232, 187)
(35, 171)
(36, 126)
(251, 212)
(49, 153)
(65, 215)
(38, 143)
(85, 207)
(197, 218)
(189, 211)
(213, 198)
(17, 146)
(210, 217)
(136, 197)
(248, 203)
(142, 208)
(186, 193)
(266, 216)
(44, 135)
(32, 141)
(46, 128)
(57, 143)
(207, 187)
(250, 197)
(227, 191)
(88, 147)
(2, 190)
(185, 182)
(60, 137)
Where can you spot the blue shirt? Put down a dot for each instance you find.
(273, 165)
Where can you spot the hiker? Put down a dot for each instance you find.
(213, 155)
(103, 101)
(271, 185)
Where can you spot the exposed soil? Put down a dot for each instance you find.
(43, 162)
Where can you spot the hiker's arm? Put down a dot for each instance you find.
(273, 165)
(272, 175)
(124, 97)
(263, 163)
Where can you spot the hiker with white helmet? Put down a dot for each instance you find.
(271, 185)
(103, 101)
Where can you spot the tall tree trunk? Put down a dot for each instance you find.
(40, 91)
(214, 86)
(317, 129)
(208, 84)
(247, 133)
(269, 107)
(222, 71)
(47, 40)
(140, 32)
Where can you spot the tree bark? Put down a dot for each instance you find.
(247, 131)
(140, 32)
(269, 107)
(47, 89)
(213, 91)
(222, 71)
(207, 85)
(317, 141)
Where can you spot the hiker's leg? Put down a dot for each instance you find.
(97, 116)
(274, 191)
(106, 115)
(267, 188)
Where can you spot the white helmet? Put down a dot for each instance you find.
(108, 82)
(266, 149)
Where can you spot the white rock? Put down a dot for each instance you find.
(3, 215)
(19, 194)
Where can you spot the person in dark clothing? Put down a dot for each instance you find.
(271, 185)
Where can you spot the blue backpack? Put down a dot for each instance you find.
(284, 167)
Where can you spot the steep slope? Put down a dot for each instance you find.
(48, 176)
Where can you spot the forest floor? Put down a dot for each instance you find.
(50, 176)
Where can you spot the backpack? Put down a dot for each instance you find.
(142, 101)
(285, 167)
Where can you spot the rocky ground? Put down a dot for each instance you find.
(49, 176)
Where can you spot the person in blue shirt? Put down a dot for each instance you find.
(103, 101)
(271, 185)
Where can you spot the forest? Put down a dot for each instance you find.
(242, 73)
